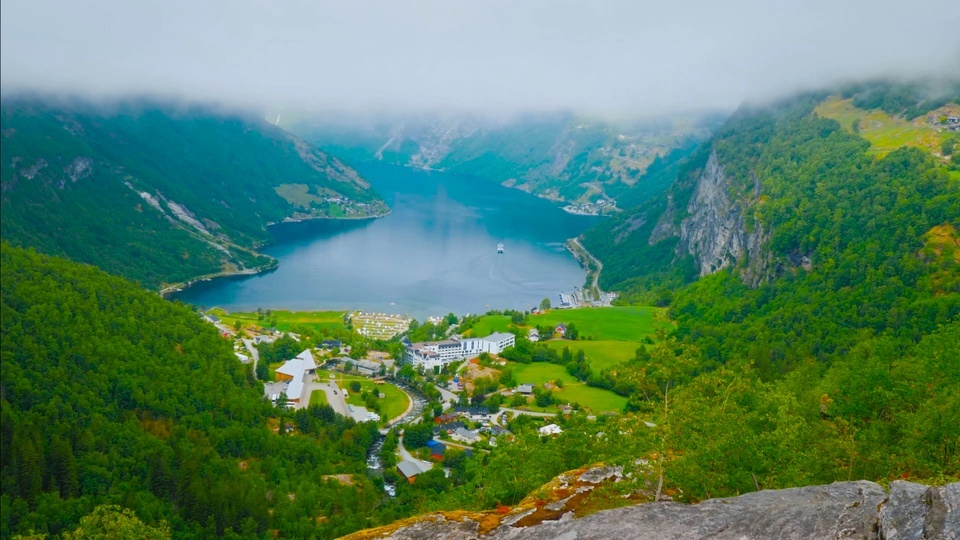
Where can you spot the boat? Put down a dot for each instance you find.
(500, 248)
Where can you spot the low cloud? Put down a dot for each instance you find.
(494, 55)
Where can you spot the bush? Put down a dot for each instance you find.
(946, 147)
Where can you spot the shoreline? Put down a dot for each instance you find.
(184, 285)
(272, 265)
(579, 252)
(317, 218)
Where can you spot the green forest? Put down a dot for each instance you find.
(112, 395)
(73, 179)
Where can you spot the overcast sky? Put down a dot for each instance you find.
(491, 55)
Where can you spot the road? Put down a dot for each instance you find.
(253, 352)
(529, 413)
(334, 396)
(449, 398)
(596, 276)
(464, 446)
(424, 465)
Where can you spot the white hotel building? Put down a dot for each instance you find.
(431, 354)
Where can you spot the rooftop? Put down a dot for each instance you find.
(498, 336)
(409, 469)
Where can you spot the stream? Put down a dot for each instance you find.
(374, 463)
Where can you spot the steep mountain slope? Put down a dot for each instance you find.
(161, 194)
(788, 212)
(110, 394)
(558, 156)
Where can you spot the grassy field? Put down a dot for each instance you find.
(885, 133)
(573, 391)
(286, 320)
(600, 354)
(538, 373)
(489, 324)
(318, 397)
(391, 406)
(272, 370)
(297, 194)
(620, 323)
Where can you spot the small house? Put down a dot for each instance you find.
(550, 429)
(437, 449)
(445, 418)
(525, 389)
(561, 329)
(498, 431)
(448, 427)
(409, 470)
(465, 436)
(475, 414)
(533, 335)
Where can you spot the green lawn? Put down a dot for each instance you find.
(272, 370)
(393, 405)
(286, 320)
(600, 354)
(619, 323)
(595, 399)
(885, 132)
(490, 324)
(318, 397)
(540, 372)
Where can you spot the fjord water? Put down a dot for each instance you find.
(436, 253)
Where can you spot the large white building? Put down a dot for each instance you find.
(297, 371)
(433, 354)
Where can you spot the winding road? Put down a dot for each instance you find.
(596, 275)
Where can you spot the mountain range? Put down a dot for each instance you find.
(161, 193)
(559, 156)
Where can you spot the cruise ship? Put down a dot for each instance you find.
(500, 248)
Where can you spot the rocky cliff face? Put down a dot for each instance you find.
(716, 230)
(841, 510)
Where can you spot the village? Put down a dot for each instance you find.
(382, 386)
(457, 391)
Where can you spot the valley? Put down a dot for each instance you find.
(787, 294)
(585, 162)
(434, 254)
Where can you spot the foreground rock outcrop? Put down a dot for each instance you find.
(842, 510)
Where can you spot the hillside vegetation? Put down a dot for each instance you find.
(160, 194)
(846, 248)
(111, 394)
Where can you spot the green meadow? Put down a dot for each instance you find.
(600, 354)
(489, 324)
(573, 391)
(318, 397)
(285, 320)
(392, 405)
(619, 323)
(885, 133)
